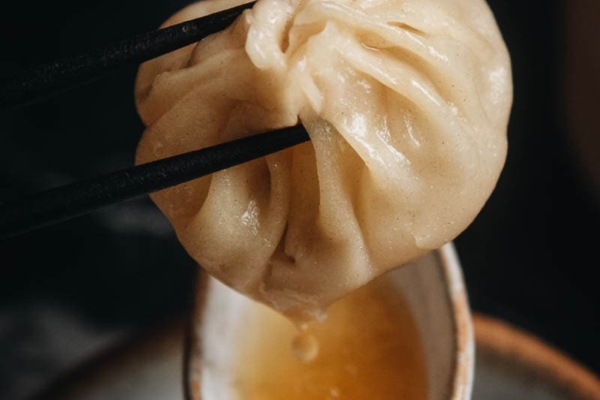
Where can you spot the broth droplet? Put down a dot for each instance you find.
(305, 347)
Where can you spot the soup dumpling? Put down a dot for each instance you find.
(406, 103)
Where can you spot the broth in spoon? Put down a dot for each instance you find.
(368, 348)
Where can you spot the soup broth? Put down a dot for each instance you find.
(367, 349)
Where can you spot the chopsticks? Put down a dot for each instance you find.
(76, 199)
(48, 79)
(82, 197)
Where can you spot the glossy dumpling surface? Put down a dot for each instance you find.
(406, 103)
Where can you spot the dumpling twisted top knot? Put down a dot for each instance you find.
(406, 103)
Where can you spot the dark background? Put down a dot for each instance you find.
(68, 291)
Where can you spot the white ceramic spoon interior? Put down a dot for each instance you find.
(433, 288)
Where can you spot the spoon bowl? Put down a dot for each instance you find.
(433, 290)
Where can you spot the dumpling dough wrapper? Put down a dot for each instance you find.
(406, 103)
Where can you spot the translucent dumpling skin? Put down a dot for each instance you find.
(406, 103)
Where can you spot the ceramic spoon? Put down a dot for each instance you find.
(432, 287)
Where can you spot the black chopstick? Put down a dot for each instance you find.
(82, 197)
(48, 79)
